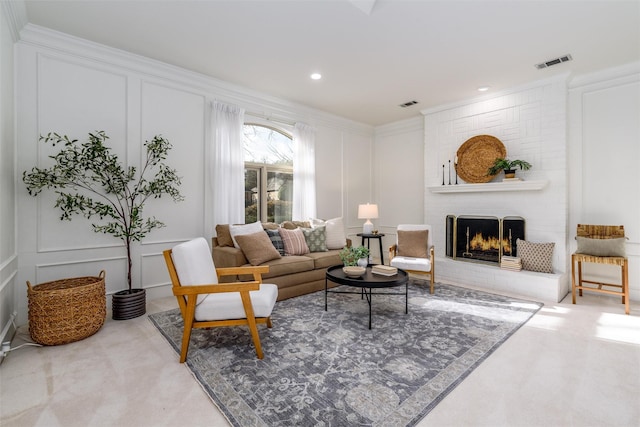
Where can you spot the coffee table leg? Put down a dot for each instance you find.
(369, 298)
(325, 293)
(406, 297)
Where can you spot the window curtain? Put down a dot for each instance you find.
(304, 172)
(225, 166)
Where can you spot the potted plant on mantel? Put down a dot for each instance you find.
(508, 166)
(89, 180)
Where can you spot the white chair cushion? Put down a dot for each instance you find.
(408, 263)
(228, 305)
(194, 263)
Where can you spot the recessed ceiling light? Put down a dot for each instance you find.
(316, 76)
(483, 88)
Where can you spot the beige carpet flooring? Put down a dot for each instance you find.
(570, 365)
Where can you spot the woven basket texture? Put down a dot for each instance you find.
(476, 156)
(66, 310)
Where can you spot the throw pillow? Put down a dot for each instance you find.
(294, 242)
(536, 256)
(316, 238)
(601, 247)
(240, 229)
(335, 237)
(224, 235)
(292, 225)
(276, 240)
(413, 243)
(270, 226)
(257, 247)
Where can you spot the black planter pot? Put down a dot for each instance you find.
(129, 304)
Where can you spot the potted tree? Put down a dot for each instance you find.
(90, 180)
(508, 166)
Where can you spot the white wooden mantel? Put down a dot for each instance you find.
(489, 187)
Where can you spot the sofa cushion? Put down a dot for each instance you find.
(285, 265)
(224, 235)
(257, 247)
(239, 229)
(325, 259)
(316, 238)
(294, 242)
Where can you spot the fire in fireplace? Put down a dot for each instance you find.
(482, 238)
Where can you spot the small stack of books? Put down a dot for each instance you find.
(384, 270)
(511, 263)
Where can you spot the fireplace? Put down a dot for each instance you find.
(482, 238)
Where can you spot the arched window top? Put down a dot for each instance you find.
(267, 145)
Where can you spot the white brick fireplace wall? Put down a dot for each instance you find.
(531, 123)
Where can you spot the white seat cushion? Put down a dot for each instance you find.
(408, 263)
(228, 305)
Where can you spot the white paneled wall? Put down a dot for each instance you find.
(531, 123)
(73, 87)
(605, 150)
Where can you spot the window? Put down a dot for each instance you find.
(268, 174)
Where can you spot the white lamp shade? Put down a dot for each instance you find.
(367, 211)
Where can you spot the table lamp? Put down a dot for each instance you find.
(367, 212)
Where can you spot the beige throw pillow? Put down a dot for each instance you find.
(257, 247)
(536, 256)
(413, 243)
(224, 235)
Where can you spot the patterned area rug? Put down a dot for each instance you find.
(328, 369)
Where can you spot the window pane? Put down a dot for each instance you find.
(251, 195)
(266, 145)
(279, 196)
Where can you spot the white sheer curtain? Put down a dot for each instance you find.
(225, 166)
(304, 172)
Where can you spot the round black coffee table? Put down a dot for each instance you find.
(367, 282)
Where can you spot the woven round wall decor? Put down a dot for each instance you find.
(477, 155)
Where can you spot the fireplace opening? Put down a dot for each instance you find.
(482, 238)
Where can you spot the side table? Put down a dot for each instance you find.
(378, 236)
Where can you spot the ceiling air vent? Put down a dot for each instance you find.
(554, 61)
(408, 104)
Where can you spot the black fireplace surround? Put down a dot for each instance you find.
(483, 239)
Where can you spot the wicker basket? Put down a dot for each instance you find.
(66, 310)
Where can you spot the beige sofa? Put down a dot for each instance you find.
(293, 274)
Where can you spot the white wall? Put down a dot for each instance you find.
(8, 250)
(73, 87)
(398, 174)
(605, 149)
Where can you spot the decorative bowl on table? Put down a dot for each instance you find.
(354, 271)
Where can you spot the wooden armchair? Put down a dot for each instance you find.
(204, 303)
(600, 244)
(414, 251)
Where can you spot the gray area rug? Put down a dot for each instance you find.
(328, 369)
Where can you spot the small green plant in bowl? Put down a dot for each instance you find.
(351, 255)
(508, 166)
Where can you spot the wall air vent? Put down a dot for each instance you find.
(554, 61)
(408, 104)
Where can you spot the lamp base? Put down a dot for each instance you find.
(367, 227)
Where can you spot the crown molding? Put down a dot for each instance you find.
(16, 14)
(402, 126)
(211, 87)
(623, 73)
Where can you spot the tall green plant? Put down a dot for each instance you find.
(90, 181)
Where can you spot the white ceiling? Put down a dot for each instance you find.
(373, 55)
